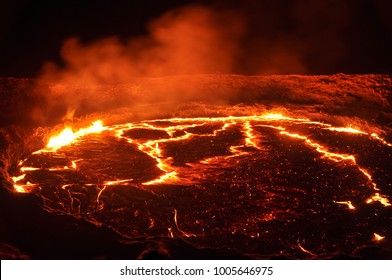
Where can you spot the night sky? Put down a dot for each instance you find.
(323, 37)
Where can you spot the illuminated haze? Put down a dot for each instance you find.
(162, 67)
(191, 40)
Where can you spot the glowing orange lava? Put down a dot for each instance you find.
(347, 130)
(171, 174)
(382, 140)
(348, 203)
(24, 188)
(380, 198)
(168, 149)
(178, 228)
(67, 136)
(378, 237)
(305, 250)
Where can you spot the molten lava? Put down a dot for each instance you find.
(67, 136)
(378, 237)
(229, 176)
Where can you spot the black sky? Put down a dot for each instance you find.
(324, 37)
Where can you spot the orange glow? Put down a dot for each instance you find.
(165, 178)
(378, 237)
(28, 168)
(67, 136)
(170, 230)
(347, 129)
(59, 168)
(278, 116)
(18, 178)
(100, 204)
(321, 149)
(343, 157)
(379, 198)
(250, 138)
(376, 136)
(305, 250)
(64, 138)
(367, 174)
(172, 174)
(294, 135)
(26, 188)
(117, 182)
(22, 188)
(348, 203)
(274, 116)
(176, 223)
(153, 150)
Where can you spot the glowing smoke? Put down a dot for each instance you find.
(192, 40)
(162, 68)
(187, 41)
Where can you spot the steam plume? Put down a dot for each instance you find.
(187, 41)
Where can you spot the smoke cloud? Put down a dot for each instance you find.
(186, 41)
(189, 41)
